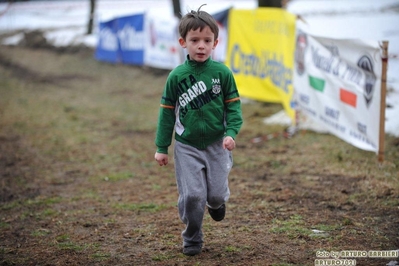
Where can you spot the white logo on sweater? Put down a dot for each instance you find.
(196, 90)
(216, 88)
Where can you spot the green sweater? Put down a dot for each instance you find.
(201, 103)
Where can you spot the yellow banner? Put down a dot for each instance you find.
(260, 53)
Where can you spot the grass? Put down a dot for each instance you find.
(40, 232)
(232, 249)
(100, 256)
(4, 225)
(294, 227)
(113, 177)
(147, 207)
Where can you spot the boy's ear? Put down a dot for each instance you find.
(215, 43)
(182, 42)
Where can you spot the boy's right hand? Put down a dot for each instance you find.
(161, 158)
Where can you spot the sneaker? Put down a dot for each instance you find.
(218, 214)
(192, 250)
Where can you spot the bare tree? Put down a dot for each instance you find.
(269, 3)
(176, 8)
(91, 16)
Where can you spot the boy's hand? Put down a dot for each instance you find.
(161, 158)
(229, 143)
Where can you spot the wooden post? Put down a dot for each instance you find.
(383, 101)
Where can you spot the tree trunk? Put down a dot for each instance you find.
(269, 3)
(91, 16)
(176, 8)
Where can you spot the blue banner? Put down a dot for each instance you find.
(131, 39)
(108, 44)
(122, 40)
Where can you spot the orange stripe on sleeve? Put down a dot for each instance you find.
(167, 106)
(232, 100)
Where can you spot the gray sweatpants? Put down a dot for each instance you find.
(202, 179)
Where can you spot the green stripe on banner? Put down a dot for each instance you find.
(316, 83)
(348, 97)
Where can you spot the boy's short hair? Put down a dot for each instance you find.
(197, 19)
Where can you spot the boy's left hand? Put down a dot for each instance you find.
(229, 143)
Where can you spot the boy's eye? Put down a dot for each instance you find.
(197, 40)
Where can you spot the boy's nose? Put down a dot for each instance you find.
(201, 45)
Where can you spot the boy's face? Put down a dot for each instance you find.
(199, 44)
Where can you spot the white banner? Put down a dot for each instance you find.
(162, 49)
(338, 84)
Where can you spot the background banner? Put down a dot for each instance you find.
(108, 45)
(338, 84)
(260, 53)
(121, 40)
(131, 39)
(162, 49)
(219, 54)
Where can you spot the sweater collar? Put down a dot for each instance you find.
(199, 66)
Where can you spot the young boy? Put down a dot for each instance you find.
(201, 103)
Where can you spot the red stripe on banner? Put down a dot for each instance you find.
(348, 97)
